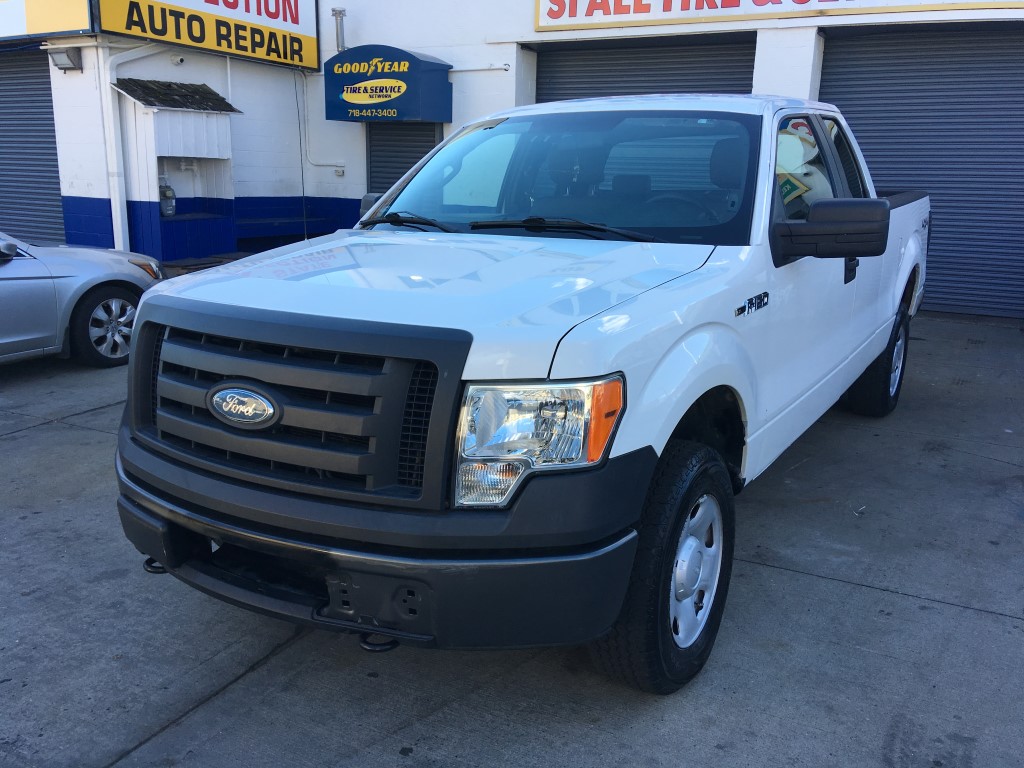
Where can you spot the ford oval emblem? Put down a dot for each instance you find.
(242, 407)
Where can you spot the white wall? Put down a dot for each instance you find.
(266, 151)
(78, 120)
(335, 152)
(269, 154)
(185, 133)
(195, 177)
(262, 141)
(140, 167)
(197, 67)
(787, 62)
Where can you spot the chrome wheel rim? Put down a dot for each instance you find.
(110, 327)
(695, 572)
(897, 360)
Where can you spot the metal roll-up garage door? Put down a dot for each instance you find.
(394, 148)
(30, 202)
(942, 110)
(699, 65)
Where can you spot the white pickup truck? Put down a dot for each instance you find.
(512, 407)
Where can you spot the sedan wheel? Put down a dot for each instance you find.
(101, 326)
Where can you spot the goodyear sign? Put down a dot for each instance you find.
(272, 31)
(32, 18)
(381, 83)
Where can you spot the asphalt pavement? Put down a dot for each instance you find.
(875, 618)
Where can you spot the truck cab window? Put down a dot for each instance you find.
(851, 168)
(799, 168)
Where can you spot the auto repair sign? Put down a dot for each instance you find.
(272, 31)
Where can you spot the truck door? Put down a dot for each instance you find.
(869, 306)
(808, 334)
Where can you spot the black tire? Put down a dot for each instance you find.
(641, 649)
(877, 391)
(101, 326)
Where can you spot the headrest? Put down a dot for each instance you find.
(563, 167)
(729, 163)
(577, 169)
(793, 152)
(631, 184)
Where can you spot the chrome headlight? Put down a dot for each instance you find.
(508, 431)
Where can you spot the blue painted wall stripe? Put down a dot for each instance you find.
(204, 227)
(88, 221)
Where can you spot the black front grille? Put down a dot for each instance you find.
(350, 423)
(412, 447)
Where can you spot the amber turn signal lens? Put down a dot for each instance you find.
(605, 408)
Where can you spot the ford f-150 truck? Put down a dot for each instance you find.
(512, 407)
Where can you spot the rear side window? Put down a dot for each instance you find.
(851, 168)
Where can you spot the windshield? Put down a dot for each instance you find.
(684, 177)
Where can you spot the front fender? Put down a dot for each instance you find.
(666, 369)
(708, 356)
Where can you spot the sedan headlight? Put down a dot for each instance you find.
(508, 431)
(149, 266)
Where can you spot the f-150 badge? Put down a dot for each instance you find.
(753, 304)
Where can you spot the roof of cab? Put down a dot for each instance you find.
(716, 102)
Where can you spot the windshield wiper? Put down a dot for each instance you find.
(567, 225)
(406, 219)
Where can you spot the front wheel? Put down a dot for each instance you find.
(680, 578)
(101, 326)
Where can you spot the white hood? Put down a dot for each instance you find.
(517, 296)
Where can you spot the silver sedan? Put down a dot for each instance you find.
(69, 300)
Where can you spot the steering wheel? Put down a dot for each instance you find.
(671, 200)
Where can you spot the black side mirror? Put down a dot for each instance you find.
(369, 200)
(843, 228)
(8, 251)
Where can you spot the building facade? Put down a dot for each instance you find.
(197, 128)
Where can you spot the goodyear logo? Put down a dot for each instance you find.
(371, 67)
(373, 91)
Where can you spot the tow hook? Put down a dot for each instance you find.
(152, 566)
(373, 646)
